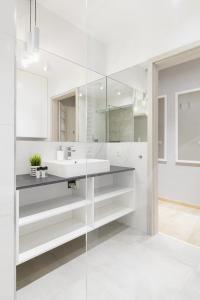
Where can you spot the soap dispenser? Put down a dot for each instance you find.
(60, 153)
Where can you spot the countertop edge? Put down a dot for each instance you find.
(116, 169)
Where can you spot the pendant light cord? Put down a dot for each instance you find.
(35, 12)
(30, 16)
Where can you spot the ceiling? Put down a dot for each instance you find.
(111, 21)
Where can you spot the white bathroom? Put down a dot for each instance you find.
(81, 156)
(89, 147)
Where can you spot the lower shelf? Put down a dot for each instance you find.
(109, 213)
(112, 191)
(43, 210)
(43, 240)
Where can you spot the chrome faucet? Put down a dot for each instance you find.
(69, 152)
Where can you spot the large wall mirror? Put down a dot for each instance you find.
(59, 100)
(56, 98)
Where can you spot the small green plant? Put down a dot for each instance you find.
(36, 160)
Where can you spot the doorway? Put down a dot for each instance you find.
(176, 108)
(64, 117)
(67, 119)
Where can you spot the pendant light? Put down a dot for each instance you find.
(36, 33)
(31, 54)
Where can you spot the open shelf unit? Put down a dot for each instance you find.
(52, 215)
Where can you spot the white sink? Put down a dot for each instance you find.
(77, 167)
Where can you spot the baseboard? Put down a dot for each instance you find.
(179, 202)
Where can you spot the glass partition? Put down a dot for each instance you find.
(70, 229)
(51, 120)
(118, 195)
(75, 237)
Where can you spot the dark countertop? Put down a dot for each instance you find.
(26, 181)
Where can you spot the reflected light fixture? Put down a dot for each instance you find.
(45, 68)
(144, 103)
(144, 100)
(118, 93)
(101, 87)
(176, 2)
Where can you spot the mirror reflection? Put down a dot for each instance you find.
(127, 103)
(59, 100)
(50, 97)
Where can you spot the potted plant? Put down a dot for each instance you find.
(35, 161)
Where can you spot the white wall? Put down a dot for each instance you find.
(62, 38)
(7, 138)
(158, 29)
(25, 149)
(178, 182)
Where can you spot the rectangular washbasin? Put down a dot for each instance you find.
(77, 167)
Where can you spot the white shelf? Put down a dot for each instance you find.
(110, 108)
(108, 213)
(48, 238)
(42, 210)
(112, 191)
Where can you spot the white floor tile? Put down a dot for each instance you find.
(175, 248)
(127, 266)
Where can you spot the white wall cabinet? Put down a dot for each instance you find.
(31, 110)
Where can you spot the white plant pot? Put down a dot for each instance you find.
(33, 170)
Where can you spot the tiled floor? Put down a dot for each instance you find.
(180, 221)
(126, 266)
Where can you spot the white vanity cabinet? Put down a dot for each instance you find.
(50, 215)
(31, 105)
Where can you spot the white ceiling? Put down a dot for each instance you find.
(112, 21)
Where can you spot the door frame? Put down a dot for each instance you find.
(169, 59)
(55, 117)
